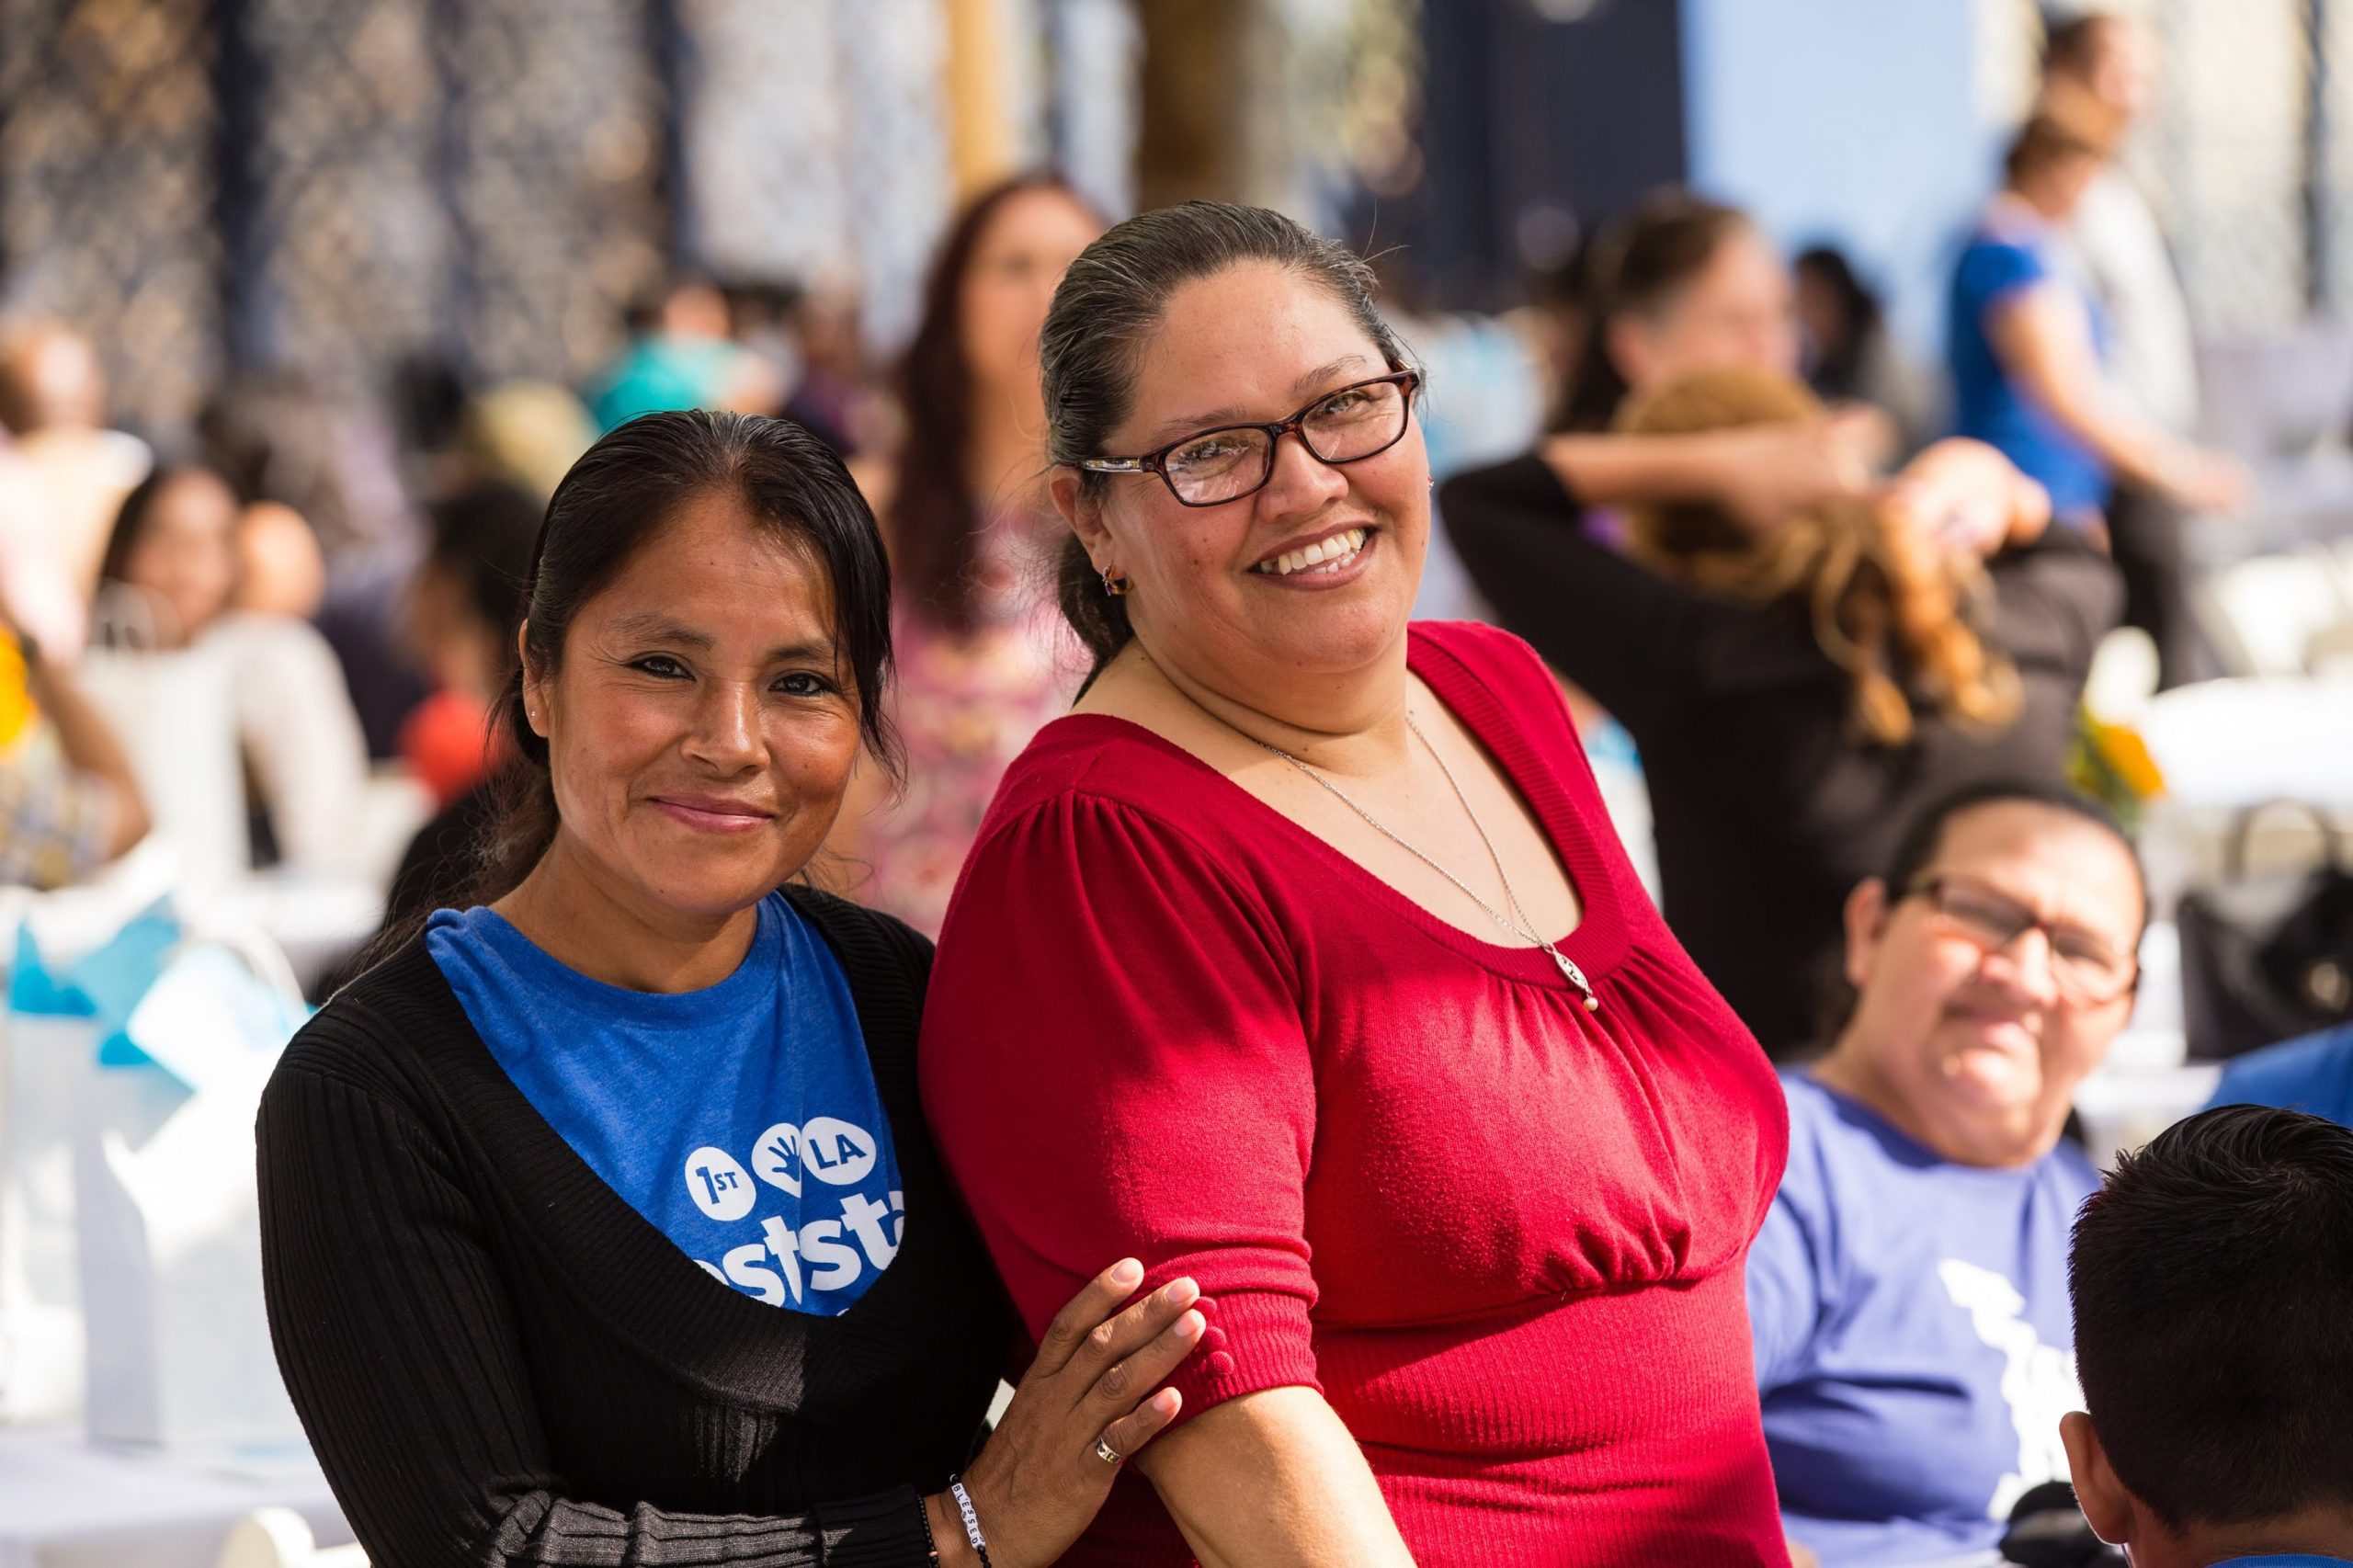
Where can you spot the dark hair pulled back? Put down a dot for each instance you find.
(1642, 260)
(1109, 305)
(618, 498)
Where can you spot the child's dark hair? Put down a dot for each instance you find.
(2213, 1287)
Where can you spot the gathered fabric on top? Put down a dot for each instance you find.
(1503, 1235)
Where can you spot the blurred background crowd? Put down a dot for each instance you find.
(306, 306)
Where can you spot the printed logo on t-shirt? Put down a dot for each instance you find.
(2038, 1379)
(820, 1255)
(718, 1185)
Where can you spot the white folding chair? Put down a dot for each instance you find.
(2264, 613)
(280, 1537)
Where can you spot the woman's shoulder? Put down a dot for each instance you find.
(260, 635)
(382, 1034)
(880, 953)
(1500, 687)
(1487, 653)
(2002, 253)
(1096, 791)
(1105, 757)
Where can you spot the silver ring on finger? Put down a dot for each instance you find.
(1108, 1454)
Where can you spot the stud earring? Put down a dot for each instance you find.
(1117, 587)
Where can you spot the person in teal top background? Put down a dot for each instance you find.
(2212, 1280)
(679, 356)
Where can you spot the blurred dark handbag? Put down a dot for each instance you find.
(2247, 981)
(2048, 1530)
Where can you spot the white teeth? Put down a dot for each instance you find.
(1324, 556)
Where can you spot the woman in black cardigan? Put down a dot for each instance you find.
(1795, 700)
(514, 1319)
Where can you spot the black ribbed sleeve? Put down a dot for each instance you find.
(499, 1361)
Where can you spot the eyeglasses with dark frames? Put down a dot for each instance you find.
(2086, 967)
(1210, 467)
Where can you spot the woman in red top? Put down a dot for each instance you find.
(1302, 960)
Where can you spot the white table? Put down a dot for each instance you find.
(65, 1505)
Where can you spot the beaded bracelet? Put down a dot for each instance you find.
(971, 1519)
(931, 1542)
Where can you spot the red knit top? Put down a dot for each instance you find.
(1502, 1234)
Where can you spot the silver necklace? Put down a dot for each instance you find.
(1527, 932)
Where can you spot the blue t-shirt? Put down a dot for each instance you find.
(742, 1120)
(1915, 1346)
(1986, 403)
(2286, 1559)
(2313, 1075)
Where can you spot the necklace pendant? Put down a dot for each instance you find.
(1576, 976)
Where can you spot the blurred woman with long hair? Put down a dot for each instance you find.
(969, 528)
(1799, 688)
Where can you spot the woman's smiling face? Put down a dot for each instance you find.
(1211, 590)
(702, 720)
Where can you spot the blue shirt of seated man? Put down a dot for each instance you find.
(1914, 1348)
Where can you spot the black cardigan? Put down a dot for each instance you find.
(498, 1360)
(1767, 806)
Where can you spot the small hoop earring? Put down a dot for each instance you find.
(1117, 587)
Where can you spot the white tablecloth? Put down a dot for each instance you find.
(65, 1505)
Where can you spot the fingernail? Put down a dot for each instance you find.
(1180, 1292)
(1190, 1325)
(1126, 1272)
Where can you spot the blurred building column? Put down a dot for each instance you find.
(1248, 100)
(1092, 102)
(1192, 103)
(817, 144)
(111, 119)
(995, 103)
(901, 189)
(763, 121)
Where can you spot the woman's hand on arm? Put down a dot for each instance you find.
(1967, 496)
(1040, 1480)
(1273, 1480)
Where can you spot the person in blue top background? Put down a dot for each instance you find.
(2314, 1075)
(1907, 1293)
(2023, 341)
(2212, 1279)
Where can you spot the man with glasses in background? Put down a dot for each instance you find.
(1908, 1292)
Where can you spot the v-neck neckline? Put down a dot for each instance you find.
(647, 1289)
(1599, 941)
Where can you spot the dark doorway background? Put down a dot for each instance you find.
(1541, 118)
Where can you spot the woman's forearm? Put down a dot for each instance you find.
(89, 746)
(1273, 1480)
(1609, 469)
(2043, 345)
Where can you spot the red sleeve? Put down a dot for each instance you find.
(1113, 1065)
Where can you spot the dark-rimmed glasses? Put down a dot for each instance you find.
(1212, 467)
(2088, 968)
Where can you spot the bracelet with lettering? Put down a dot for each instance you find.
(971, 1519)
